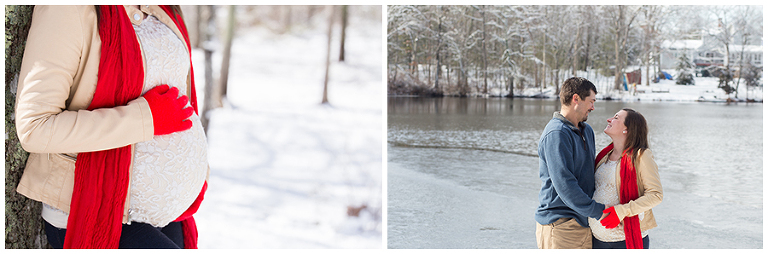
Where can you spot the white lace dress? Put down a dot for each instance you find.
(606, 193)
(168, 171)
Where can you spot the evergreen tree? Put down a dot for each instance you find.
(684, 71)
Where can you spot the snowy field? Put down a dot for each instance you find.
(665, 90)
(284, 168)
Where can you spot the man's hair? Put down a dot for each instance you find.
(575, 85)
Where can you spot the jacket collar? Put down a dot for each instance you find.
(560, 117)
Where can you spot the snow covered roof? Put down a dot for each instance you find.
(682, 44)
(747, 48)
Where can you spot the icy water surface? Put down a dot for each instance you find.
(463, 173)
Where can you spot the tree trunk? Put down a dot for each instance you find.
(485, 57)
(23, 225)
(647, 75)
(288, 19)
(198, 24)
(212, 98)
(586, 53)
(437, 53)
(448, 74)
(224, 73)
(557, 81)
(616, 43)
(741, 65)
(728, 65)
(511, 93)
(344, 18)
(575, 54)
(537, 75)
(328, 55)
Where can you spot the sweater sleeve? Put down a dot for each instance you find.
(648, 175)
(558, 156)
(52, 58)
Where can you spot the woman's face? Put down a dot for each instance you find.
(616, 127)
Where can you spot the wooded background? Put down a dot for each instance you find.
(479, 48)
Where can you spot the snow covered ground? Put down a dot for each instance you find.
(284, 168)
(665, 90)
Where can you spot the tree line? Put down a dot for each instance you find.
(496, 50)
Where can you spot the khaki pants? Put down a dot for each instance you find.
(565, 233)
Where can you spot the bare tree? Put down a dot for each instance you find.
(653, 17)
(621, 36)
(745, 17)
(725, 34)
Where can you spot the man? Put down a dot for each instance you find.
(567, 171)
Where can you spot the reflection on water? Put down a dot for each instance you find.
(709, 150)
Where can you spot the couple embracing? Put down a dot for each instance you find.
(595, 201)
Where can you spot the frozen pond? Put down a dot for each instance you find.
(463, 173)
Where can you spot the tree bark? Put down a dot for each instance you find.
(23, 225)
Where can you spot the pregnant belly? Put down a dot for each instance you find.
(167, 175)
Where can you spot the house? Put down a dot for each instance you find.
(706, 54)
(753, 54)
(672, 50)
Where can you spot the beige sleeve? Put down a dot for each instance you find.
(51, 60)
(648, 172)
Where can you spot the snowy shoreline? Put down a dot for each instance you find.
(704, 90)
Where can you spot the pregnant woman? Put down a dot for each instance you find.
(106, 107)
(627, 182)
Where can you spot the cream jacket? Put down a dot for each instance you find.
(56, 85)
(648, 187)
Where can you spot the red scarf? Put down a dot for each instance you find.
(102, 177)
(627, 192)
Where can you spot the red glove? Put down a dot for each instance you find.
(169, 113)
(612, 220)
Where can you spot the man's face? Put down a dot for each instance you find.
(583, 107)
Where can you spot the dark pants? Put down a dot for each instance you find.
(134, 236)
(597, 244)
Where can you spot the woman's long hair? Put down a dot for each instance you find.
(637, 133)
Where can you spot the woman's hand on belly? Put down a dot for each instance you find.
(169, 111)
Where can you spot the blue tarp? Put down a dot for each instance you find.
(625, 83)
(666, 75)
